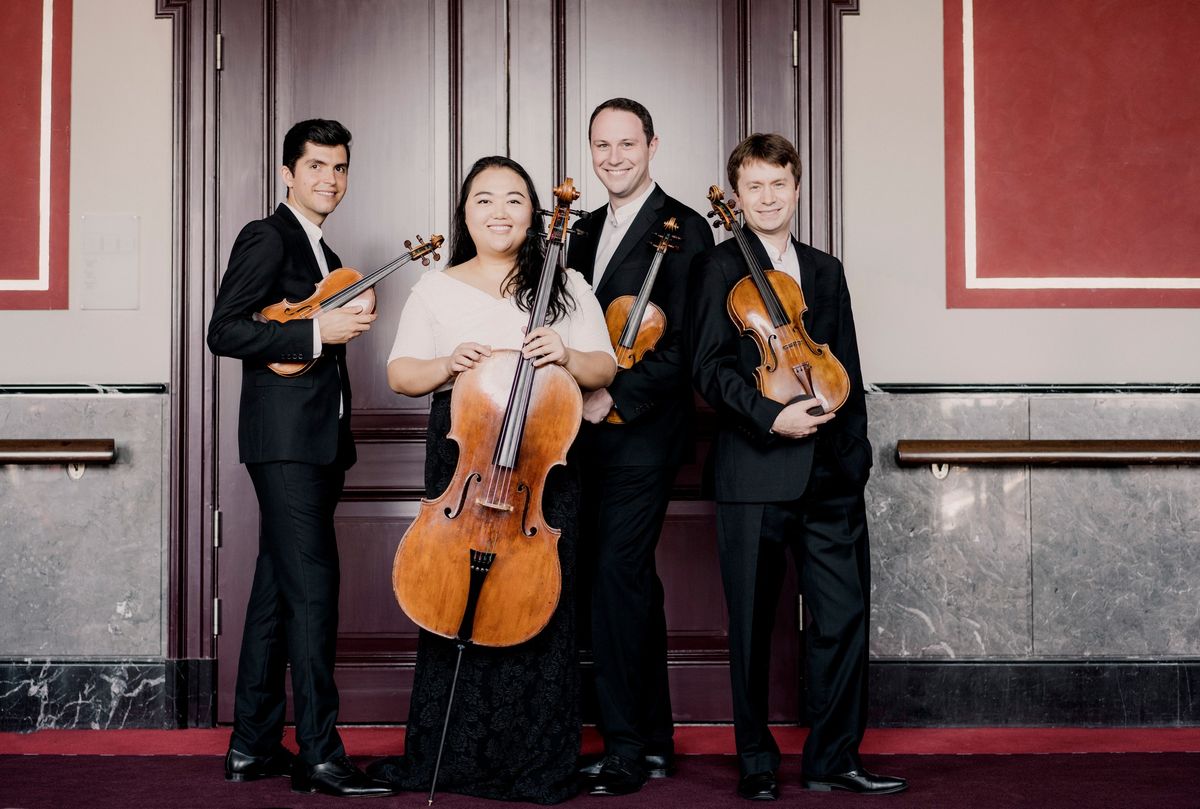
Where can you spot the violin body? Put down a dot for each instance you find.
(650, 330)
(491, 509)
(338, 280)
(337, 289)
(793, 366)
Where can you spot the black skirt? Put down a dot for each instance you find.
(515, 727)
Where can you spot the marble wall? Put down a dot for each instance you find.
(1013, 563)
(83, 562)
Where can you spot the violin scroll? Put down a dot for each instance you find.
(424, 249)
(667, 240)
(725, 213)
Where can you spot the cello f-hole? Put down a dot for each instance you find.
(526, 529)
(451, 513)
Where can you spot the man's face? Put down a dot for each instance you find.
(620, 154)
(768, 196)
(319, 182)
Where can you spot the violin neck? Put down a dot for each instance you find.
(770, 299)
(366, 282)
(629, 333)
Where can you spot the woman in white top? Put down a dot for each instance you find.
(515, 730)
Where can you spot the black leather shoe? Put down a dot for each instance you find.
(339, 778)
(241, 766)
(860, 781)
(617, 776)
(759, 786)
(653, 764)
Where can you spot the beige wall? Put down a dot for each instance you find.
(895, 242)
(120, 164)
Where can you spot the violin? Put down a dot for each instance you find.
(635, 325)
(337, 289)
(479, 564)
(769, 305)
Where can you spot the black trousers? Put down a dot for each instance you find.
(826, 530)
(292, 614)
(623, 511)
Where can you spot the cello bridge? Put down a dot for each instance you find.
(493, 504)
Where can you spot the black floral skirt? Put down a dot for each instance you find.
(515, 727)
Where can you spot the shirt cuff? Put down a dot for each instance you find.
(316, 338)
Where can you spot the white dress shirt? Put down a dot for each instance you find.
(616, 225)
(313, 232)
(787, 261)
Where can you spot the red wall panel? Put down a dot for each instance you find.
(33, 270)
(1072, 153)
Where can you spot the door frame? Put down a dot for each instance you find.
(193, 527)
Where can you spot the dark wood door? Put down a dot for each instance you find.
(423, 87)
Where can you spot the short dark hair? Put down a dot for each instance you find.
(772, 149)
(625, 105)
(315, 130)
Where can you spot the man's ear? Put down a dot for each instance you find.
(288, 178)
(653, 146)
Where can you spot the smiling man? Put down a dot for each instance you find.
(294, 438)
(787, 479)
(628, 468)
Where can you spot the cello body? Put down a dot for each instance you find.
(487, 509)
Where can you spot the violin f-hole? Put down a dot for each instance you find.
(451, 513)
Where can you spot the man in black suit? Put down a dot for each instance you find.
(294, 437)
(629, 468)
(785, 478)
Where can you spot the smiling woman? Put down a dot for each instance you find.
(515, 730)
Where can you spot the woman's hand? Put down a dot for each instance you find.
(544, 346)
(465, 356)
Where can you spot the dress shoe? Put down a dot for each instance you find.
(658, 765)
(759, 786)
(338, 777)
(655, 765)
(617, 776)
(860, 781)
(241, 766)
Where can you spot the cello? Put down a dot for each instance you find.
(635, 325)
(768, 305)
(337, 289)
(479, 564)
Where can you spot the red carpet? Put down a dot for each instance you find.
(690, 740)
(1088, 781)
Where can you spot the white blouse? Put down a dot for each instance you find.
(442, 312)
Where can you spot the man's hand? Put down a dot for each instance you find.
(596, 404)
(343, 325)
(794, 421)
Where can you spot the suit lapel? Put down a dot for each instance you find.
(582, 255)
(636, 235)
(298, 243)
(808, 280)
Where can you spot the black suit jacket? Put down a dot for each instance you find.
(750, 463)
(280, 418)
(654, 397)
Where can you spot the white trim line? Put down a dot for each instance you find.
(970, 247)
(42, 282)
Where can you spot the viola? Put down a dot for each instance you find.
(768, 305)
(479, 564)
(635, 325)
(336, 290)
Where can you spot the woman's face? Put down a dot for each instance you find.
(498, 211)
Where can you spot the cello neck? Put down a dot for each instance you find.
(509, 442)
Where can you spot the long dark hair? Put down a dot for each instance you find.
(523, 280)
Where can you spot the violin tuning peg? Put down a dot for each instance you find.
(711, 214)
(424, 262)
(437, 256)
(408, 244)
